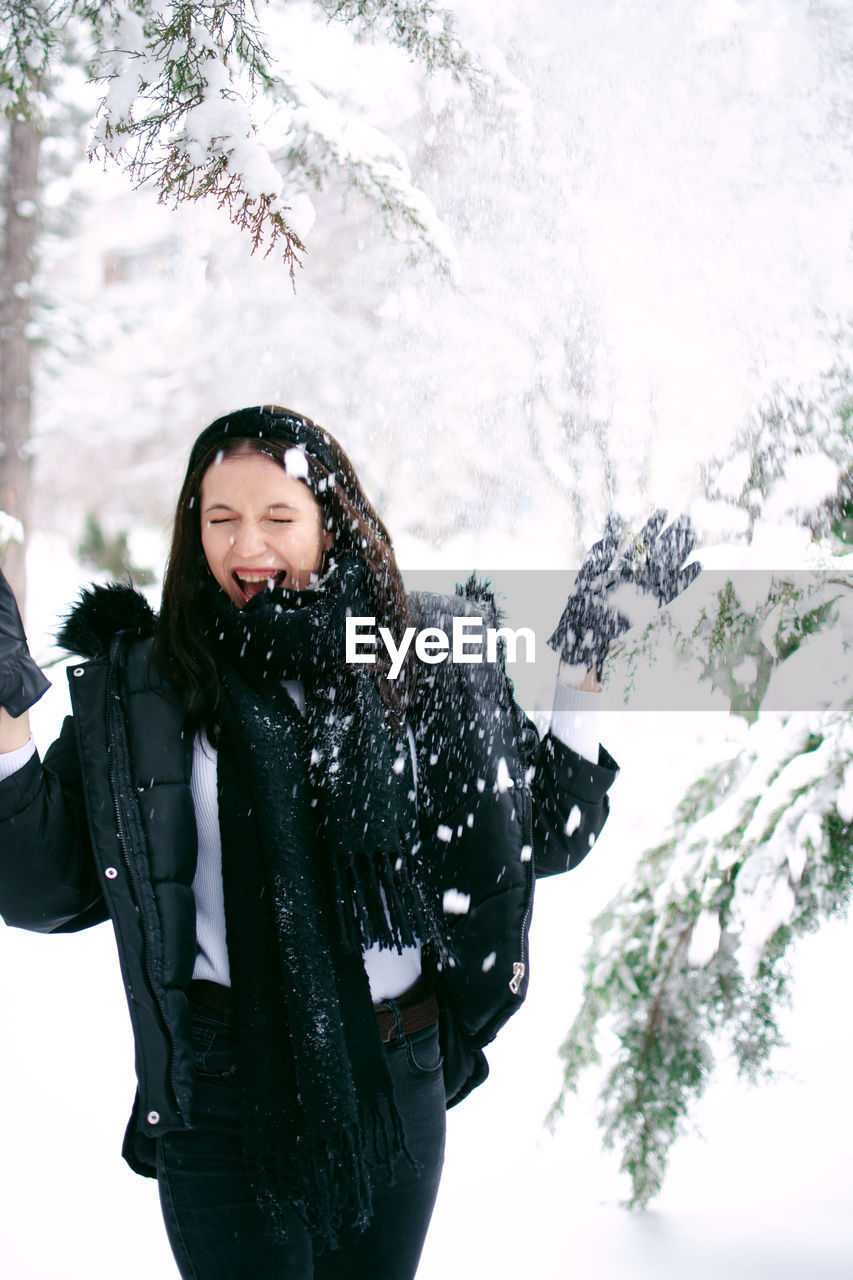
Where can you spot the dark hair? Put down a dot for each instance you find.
(180, 652)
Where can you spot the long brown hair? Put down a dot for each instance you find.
(180, 651)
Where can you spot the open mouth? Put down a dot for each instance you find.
(249, 584)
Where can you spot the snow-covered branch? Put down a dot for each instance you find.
(696, 951)
(185, 84)
(26, 46)
(418, 26)
(323, 139)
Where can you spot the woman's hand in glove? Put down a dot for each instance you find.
(655, 559)
(22, 682)
(590, 624)
(607, 599)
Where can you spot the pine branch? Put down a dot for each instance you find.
(27, 41)
(175, 117)
(182, 83)
(425, 32)
(324, 142)
(667, 992)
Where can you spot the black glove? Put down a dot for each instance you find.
(654, 559)
(599, 609)
(589, 624)
(21, 682)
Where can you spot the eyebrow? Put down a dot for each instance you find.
(272, 506)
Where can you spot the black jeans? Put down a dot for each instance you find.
(214, 1225)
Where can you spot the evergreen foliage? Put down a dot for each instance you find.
(425, 32)
(695, 953)
(791, 436)
(185, 85)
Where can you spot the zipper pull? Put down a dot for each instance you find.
(517, 977)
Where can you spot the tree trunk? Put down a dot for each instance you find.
(20, 202)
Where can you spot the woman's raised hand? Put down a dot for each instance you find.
(22, 682)
(589, 624)
(613, 592)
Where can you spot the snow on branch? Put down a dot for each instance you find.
(26, 45)
(695, 951)
(417, 26)
(176, 113)
(323, 138)
(183, 81)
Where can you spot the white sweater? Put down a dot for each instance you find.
(390, 973)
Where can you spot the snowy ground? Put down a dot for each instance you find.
(766, 1191)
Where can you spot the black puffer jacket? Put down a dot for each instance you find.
(106, 828)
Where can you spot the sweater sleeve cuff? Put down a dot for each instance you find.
(575, 720)
(12, 761)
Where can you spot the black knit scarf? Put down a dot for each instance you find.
(319, 834)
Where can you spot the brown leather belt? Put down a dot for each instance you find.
(418, 1006)
(418, 1009)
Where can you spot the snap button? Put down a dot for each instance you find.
(111, 873)
(153, 1117)
(78, 671)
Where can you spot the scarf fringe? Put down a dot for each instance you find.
(339, 1192)
(377, 900)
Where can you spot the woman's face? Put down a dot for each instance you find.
(260, 527)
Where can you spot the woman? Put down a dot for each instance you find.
(322, 882)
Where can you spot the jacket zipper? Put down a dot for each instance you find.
(118, 765)
(519, 967)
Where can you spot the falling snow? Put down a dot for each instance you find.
(573, 821)
(455, 903)
(631, 328)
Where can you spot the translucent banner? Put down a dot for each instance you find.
(740, 641)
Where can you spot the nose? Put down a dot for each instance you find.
(248, 541)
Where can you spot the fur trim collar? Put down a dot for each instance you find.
(479, 592)
(100, 614)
